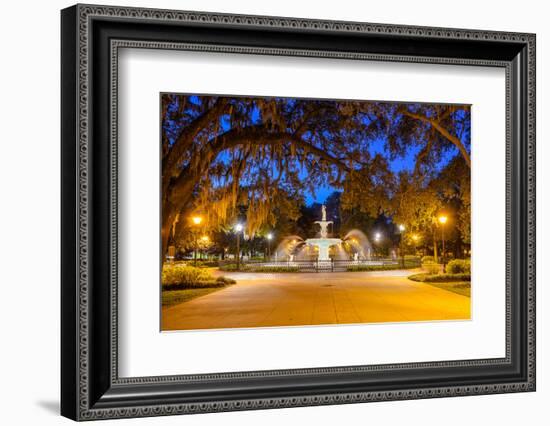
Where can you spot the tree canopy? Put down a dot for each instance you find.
(255, 158)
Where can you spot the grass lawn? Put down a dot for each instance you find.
(173, 297)
(462, 288)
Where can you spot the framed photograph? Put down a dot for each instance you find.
(263, 212)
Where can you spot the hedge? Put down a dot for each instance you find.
(458, 266)
(391, 267)
(232, 267)
(272, 269)
(440, 278)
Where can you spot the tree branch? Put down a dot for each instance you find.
(442, 131)
(259, 135)
(185, 138)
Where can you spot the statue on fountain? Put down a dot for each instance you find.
(324, 223)
(323, 243)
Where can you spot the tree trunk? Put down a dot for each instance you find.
(168, 217)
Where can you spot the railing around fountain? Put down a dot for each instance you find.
(332, 265)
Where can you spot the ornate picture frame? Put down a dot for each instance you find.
(91, 38)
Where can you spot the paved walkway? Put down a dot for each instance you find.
(268, 300)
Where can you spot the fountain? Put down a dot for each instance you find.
(324, 243)
(354, 248)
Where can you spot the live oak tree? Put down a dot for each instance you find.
(453, 184)
(222, 153)
(416, 204)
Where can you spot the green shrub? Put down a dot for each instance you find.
(225, 280)
(182, 276)
(200, 263)
(366, 268)
(458, 266)
(428, 259)
(431, 267)
(440, 278)
(232, 267)
(181, 273)
(229, 267)
(412, 258)
(273, 269)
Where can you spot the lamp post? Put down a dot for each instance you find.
(443, 220)
(197, 220)
(238, 229)
(377, 237)
(269, 237)
(401, 228)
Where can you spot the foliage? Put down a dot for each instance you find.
(182, 276)
(232, 267)
(391, 267)
(229, 267)
(181, 273)
(431, 267)
(202, 263)
(415, 203)
(273, 269)
(453, 184)
(428, 259)
(458, 266)
(439, 278)
(225, 280)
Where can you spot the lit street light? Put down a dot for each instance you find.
(238, 230)
(401, 228)
(443, 220)
(377, 239)
(197, 220)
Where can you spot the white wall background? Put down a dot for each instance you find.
(29, 212)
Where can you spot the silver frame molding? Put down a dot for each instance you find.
(91, 388)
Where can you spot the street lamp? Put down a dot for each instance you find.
(377, 239)
(401, 228)
(443, 220)
(197, 220)
(238, 230)
(269, 238)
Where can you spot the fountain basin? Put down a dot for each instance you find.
(323, 244)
